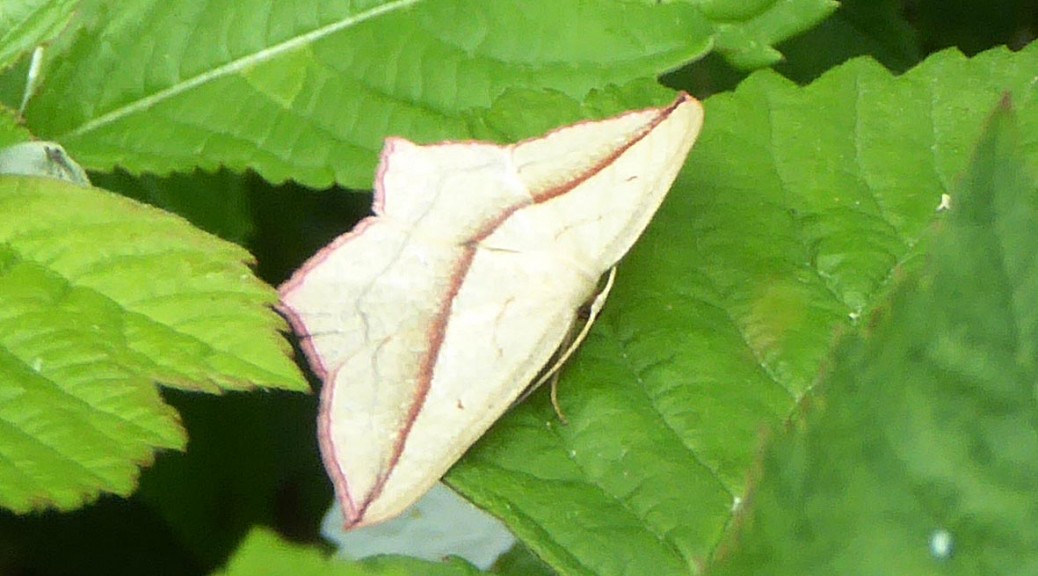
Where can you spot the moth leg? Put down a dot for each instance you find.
(552, 373)
(555, 397)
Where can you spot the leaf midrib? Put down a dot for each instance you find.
(233, 67)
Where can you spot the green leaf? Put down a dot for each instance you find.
(263, 552)
(11, 131)
(520, 561)
(747, 31)
(918, 455)
(100, 298)
(25, 24)
(310, 94)
(795, 210)
(520, 114)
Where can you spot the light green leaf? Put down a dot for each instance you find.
(918, 455)
(263, 553)
(100, 298)
(311, 94)
(11, 131)
(795, 210)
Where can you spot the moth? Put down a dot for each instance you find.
(431, 317)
